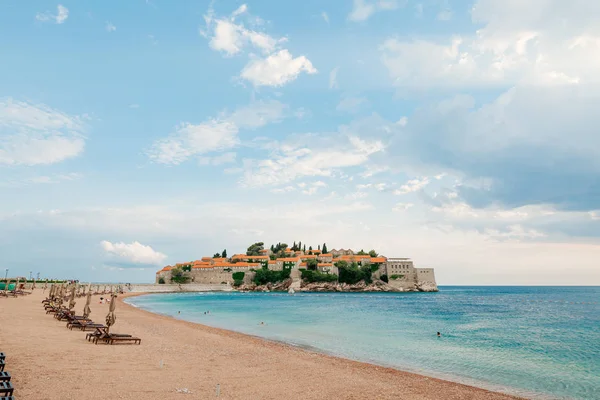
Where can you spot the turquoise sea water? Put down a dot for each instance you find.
(539, 342)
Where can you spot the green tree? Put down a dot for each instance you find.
(319, 247)
(373, 253)
(384, 278)
(238, 278)
(316, 276)
(265, 275)
(304, 249)
(299, 246)
(312, 264)
(353, 273)
(224, 253)
(361, 253)
(294, 246)
(217, 255)
(324, 248)
(254, 249)
(178, 275)
(273, 256)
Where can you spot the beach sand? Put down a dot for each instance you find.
(48, 361)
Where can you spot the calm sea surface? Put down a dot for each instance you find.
(539, 342)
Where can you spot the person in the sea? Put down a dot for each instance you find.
(101, 300)
(178, 312)
(439, 334)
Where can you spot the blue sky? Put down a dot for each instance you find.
(462, 134)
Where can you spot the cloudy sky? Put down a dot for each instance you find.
(463, 134)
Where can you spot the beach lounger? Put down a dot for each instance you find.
(103, 336)
(2, 356)
(121, 339)
(7, 398)
(2, 365)
(4, 376)
(6, 389)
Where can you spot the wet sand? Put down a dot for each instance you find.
(48, 361)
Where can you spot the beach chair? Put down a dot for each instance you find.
(7, 398)
(2, 356)
(5, 376)
(124, 339)
(6, 389)
(81, 323)
(102, 335)
(2, 365)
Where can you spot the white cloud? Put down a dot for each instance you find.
(514, 232)
(333, 83)
(37, 134)
(215, 134)
(135, 253)
(230, 37)
(285, 189)
(351, 104)
(519, 43)
(412, 185)
(60, 17)
(402, 121)
(278, 66)
(110, 27)
(309, 155)
(134, 105)
(312, 187)
(277, 69)
(41, 179)
(225, 158)
(400, 207)
(363, 9)
(325, 16)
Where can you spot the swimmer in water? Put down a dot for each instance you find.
(439, 334)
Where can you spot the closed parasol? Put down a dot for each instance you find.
(111, 318)
(86, 309)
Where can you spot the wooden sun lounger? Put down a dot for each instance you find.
(2, 365)
(100, 332)
(7, 398)
(6, 388)
(5, 376)
(2, 356)
(117, 339)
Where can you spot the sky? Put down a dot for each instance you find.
(462, 134)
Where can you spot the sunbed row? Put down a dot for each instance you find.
(6, 387)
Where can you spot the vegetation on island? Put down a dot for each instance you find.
(264, 275)
(178, 275)
(238, 278)
(353, 273)
(312, 276)
(394, 277)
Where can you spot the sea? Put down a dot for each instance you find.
(536, 342)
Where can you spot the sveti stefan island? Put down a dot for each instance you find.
(300, 200)
(297, 268)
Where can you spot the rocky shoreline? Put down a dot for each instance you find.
(362, 286)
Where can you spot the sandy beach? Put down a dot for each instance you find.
(48, 361)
